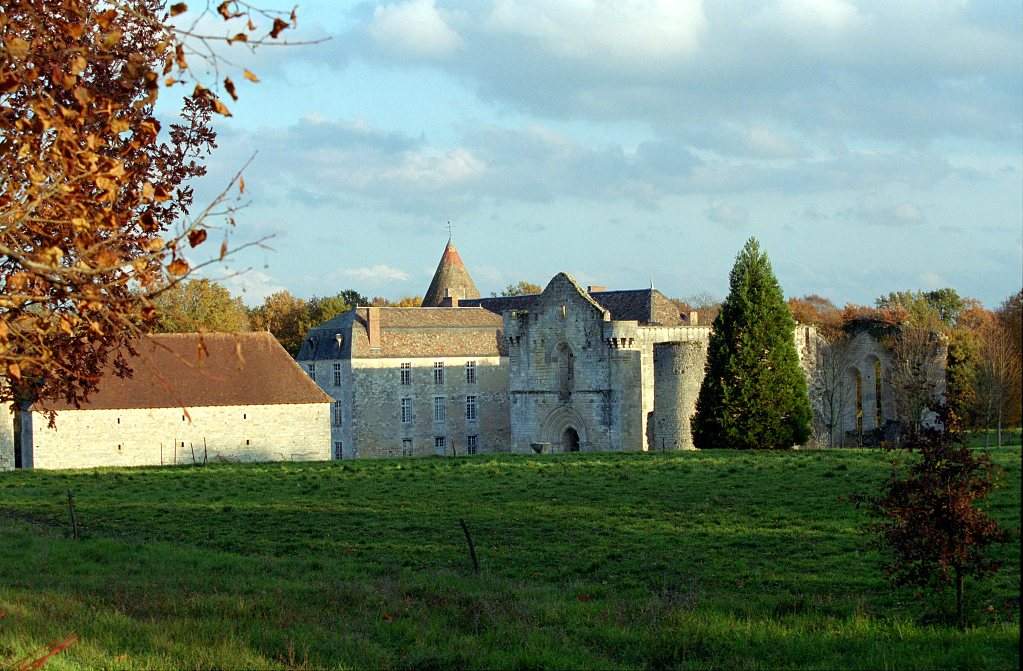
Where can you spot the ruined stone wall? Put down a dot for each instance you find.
(648, 336)
(154, 436)
(678, 374)
(373, 424)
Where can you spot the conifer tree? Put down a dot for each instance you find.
(754, 392)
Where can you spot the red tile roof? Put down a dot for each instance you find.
(174, 370)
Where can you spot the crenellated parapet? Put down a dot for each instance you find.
(620, 335)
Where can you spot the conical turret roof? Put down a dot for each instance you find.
(451, 279)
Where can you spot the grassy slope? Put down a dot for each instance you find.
(696, 560)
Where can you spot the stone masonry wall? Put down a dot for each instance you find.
(322, 373)
(6, 440)
(143, 437)
(373, 407)
(564, 330)
(678, 374)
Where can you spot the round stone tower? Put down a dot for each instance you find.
(678, 373)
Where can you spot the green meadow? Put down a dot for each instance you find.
(712, 559)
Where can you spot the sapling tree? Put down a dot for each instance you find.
(927, 520)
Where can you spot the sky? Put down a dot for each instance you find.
(869, 146)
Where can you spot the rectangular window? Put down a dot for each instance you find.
(470, 372)
(472, 444)
(312, 371)
(440, 409)
(470, 408)
(439, 445)
(337, 449)
(406, 373)
(438, 372)
(337, 375)
(406, 411)
(406, 447)
(335, 413)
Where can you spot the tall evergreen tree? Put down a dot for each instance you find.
(754, 392)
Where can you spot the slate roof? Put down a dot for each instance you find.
(407, 333)
(183, 370)
(451, 276)
(647, 306)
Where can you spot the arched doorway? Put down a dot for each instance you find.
(570, 440)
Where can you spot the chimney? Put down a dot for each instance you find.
(373, 326)
(694, 318)
(595, 287)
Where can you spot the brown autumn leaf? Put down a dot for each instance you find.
(14, 370)
(241, 184)
(229, 87)
(78, 65)
(223, 250)
(279, 26)
(178, 8)
(238, 37)
(178, 267)
(17, 48)
(251, 76)
(196, 237)
(220, 108)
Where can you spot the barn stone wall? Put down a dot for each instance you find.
(154, 436)
(6, 440)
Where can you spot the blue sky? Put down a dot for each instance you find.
(870, 146)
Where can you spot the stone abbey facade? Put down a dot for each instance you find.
(568, 369)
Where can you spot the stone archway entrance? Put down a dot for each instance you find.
(565, 430)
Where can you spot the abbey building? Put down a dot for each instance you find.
(568, 369)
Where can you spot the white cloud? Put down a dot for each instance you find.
(379, 274)
(832, 15)
(414, 28)
(898, 215)
(252, 286)
(630, 32)
(730, 216)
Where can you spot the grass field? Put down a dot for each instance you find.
(708, 559)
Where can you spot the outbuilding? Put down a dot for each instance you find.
(191, 398)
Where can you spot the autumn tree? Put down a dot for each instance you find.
(403, 302)
(284, 315)
(916, 373)
(754, 392)
(938, 309)
(521, 288)
(95, 210)
(928, 522)
(1010, 314)
(816, 310)
(997, 376)
(200, 305)
(290, 318)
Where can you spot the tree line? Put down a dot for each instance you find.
(205, 305)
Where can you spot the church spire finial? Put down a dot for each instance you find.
(449, 230)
